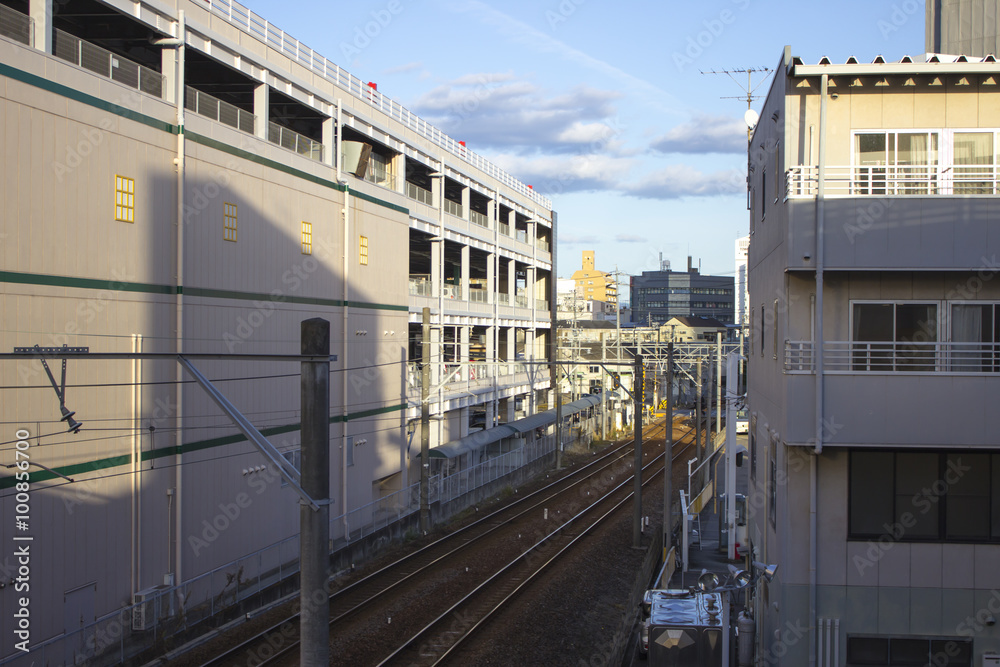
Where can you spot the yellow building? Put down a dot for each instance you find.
(594, 284)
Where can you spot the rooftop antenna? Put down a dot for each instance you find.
(751, 116)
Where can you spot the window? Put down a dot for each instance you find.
(777, 181)
(293, 456)
(975, 328)
(974, 161)
(380, 170)
(932, 496)
(752, 442)
(763, 193)
(229, 222)
(916, 651)
(307, 238)
(894, 336)
(762, 330)
(124, 199)
(774, 327)
(349, 447)
(895, 163)
(363, 251)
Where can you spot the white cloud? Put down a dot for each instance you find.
(705, 133)
(678, 180)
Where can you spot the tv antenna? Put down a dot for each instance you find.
(751, 116)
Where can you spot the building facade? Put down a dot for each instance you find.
(657, 296)
(594, 284)
(967, 27)
(874, 457)
(742, 304)
(186, 178)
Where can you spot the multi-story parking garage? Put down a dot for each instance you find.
(184, 177)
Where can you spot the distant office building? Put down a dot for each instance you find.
(742, 293)
(658, 296)
(594, 284)
(963, 27)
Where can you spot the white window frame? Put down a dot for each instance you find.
(942, 321)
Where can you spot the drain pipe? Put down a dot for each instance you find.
(818, 356)
(343, 376)
(178, 43)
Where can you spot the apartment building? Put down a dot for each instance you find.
(742, 301)
(874, 447)
(594, 284)
(187, 178)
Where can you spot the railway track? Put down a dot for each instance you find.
(379, 585)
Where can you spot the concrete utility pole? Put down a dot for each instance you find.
(718, 383)
(425, 420)
(668, 457)
(637, 489)
(314, 525)
(604, 393)
(699, 450)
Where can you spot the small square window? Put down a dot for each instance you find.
(293, 456)
(307, 238)
(363, 251)
(229, 222)
(124, 199)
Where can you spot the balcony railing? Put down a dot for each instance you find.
(294, 141)
(470, 371)
(543, 245)
(541, 304)
(109, 65)
(522, 236)
(204, 104)
(479, 219)
(420, 286)
(414, 191)
(894, 180)
(453, 292)
(503, 298)
(478, 296)
(504, 228)
(454, 208)
(17, 26)
(521, 300)
(882, 357)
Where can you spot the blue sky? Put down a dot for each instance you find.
(601, 105)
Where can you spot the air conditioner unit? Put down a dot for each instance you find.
(991, 660)
(147, 607)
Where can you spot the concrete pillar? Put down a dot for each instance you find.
(41, 13)
(466, 198)
(465, 273)
(261, 108)
(463, 344)
(512, 344)
(530, 288)
(463, 423)
(491, 212)
(511, 279)
(329, 141)
(437, 280)
(491, 277)
(436, 356)
(511, 402)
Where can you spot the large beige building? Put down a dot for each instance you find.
(183, 177)
(593, 284)
(968, 27)
(874, 435)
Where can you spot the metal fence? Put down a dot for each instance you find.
(894, 180)
(424, 196)
(109, 65)
(479, 219)
(894, 357)
(294, 141)
(204, 104)
(454, 208)
(17, 26)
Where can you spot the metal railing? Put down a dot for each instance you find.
(294, 141)
(479, 296)
(504, 228)
(521, 300)
(420, 286)
(543, 245)
(262, 30)
(479, 219)
(109, 65)
(452, 291)
(17, 26)
(541, 304)
(894, 357)
(467, 371)
(894, 180)
(414, 191)
(206, 105)
(503, 298)
(454, 208)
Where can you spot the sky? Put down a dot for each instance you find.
(602, 106)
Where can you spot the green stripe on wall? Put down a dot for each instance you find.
(204, 292)
(161, 452)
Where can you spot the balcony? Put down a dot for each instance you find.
(109, 65)
(16, 26)
(478, 296)
(414, 191)
(504, 228)
(895, 394)
(479, 219)
(893, 180)
(294, 141)
(887, 357)
(454, 208)
(204, 104)
(420, 286)
(461, 376)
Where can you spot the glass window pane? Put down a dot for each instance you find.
(870, 148)
(871, 492)
(968, 479)
(872, 322)
(907, 651)
(916, 329)
(867, 651)
(918, 494)
(951, 652)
